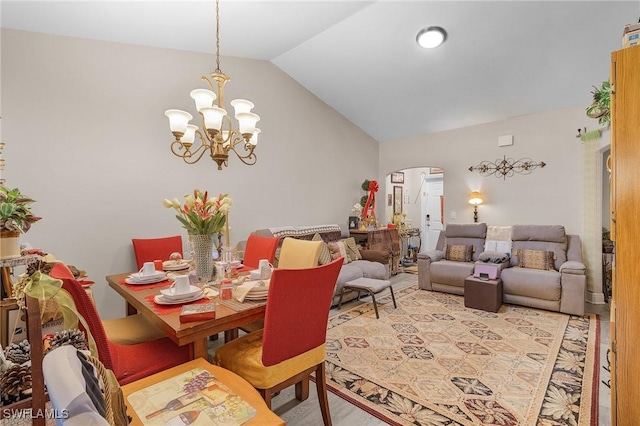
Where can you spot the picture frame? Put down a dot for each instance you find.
(397, 177)
(397, 200)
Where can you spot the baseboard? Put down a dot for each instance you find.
(595, 298)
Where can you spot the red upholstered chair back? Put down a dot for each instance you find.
(86, 308)
(297, 310)
(259, 248)
(150, 249)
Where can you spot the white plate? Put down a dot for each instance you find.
(173, 265)
(236, 263)
(162, 300)
(168, 293)
(250, 297)
(141, 278)
(133, 281)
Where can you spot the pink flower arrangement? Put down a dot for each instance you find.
(201, 215)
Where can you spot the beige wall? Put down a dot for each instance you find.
(86, 136)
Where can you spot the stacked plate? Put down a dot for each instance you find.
(168, 297)
(175, 265)
(258, 292)
(138, 278)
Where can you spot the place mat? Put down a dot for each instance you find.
(167, 309)
(138, 287)
(239, 306)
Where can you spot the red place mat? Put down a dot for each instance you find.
(138, 287)
(167, 309)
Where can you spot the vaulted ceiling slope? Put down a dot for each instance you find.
(501, 58)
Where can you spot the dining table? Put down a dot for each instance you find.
(230, 315)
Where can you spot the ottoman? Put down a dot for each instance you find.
(483, 294)
(370, 286)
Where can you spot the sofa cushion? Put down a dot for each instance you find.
(338, 249)
(558, 249)
(551, 233)
(325, 254)
(466, 230)
(451, 273)
(535, 259)
(373, 270)
(352, 248)
(458, 252)
(532, 283)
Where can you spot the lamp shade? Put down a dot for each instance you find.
(247, 122)
(213, 117)
(203, 98)
(241, 105)
(178, 119)
(254, 137)
(475, 198)
(190, 134)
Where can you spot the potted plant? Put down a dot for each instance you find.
(600, 108)
(607, 244)
(15, 218)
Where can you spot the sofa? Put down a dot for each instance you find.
(542, 267)
(371, 264)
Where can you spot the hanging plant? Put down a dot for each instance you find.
(600, 108)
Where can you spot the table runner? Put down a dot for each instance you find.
(239, 306)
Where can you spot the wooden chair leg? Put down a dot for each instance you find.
(266, 395)
(302, 389)
(321, 387)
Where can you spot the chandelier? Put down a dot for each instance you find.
(218, 137)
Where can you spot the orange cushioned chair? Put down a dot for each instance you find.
(292, 344)
(150, 249)
(259, 248)
(128, 362)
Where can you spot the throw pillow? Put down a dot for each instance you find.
(352, 249)
(325, 254)
(459, 252)
(536, 259)
(337, 249)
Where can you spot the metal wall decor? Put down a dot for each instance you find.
(507, 167)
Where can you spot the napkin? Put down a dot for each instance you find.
(244, 289)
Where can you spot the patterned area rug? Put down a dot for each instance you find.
(432, 361)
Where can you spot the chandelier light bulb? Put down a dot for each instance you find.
(431, 37)
(254, 138)
(190, 135)
(213, 117)
(241, 105)
(247, 122)
(178, 120)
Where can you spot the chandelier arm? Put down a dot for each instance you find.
(249, 159)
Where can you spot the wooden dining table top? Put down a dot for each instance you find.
(191, 333)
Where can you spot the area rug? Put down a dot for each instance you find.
(432, 361)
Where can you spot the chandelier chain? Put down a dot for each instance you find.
(218, 36)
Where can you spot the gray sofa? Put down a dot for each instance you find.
(374, 264)
(560, 288)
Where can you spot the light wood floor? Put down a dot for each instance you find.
(343, 413)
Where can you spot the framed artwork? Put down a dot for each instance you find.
(397, 200)
(397, 177)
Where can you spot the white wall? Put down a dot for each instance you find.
(551, 195)
(86, 137)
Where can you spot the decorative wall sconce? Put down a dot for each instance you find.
(507, 167)
(475, 199)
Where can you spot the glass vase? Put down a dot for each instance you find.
(202, 249)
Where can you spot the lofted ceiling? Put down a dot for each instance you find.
(501, 58)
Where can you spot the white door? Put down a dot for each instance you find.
(431, 220)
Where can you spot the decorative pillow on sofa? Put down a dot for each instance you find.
(337, 249)
(325, 254)
(352, 249)
(458, 252)
(536, 259)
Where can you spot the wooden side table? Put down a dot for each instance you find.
(483, 294)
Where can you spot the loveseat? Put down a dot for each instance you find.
(542, 269)
(371, 264)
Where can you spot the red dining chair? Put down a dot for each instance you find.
(292, 344)
(127, 330)
(259, 248)
(128, 362)
(150, 249)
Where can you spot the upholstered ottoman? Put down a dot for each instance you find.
(370, 286)
(483, 294)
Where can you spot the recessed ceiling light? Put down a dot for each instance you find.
(431, 37)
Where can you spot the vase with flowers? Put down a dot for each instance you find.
(203, 217)
(15, 219)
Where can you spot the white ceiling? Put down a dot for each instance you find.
(501, 59)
